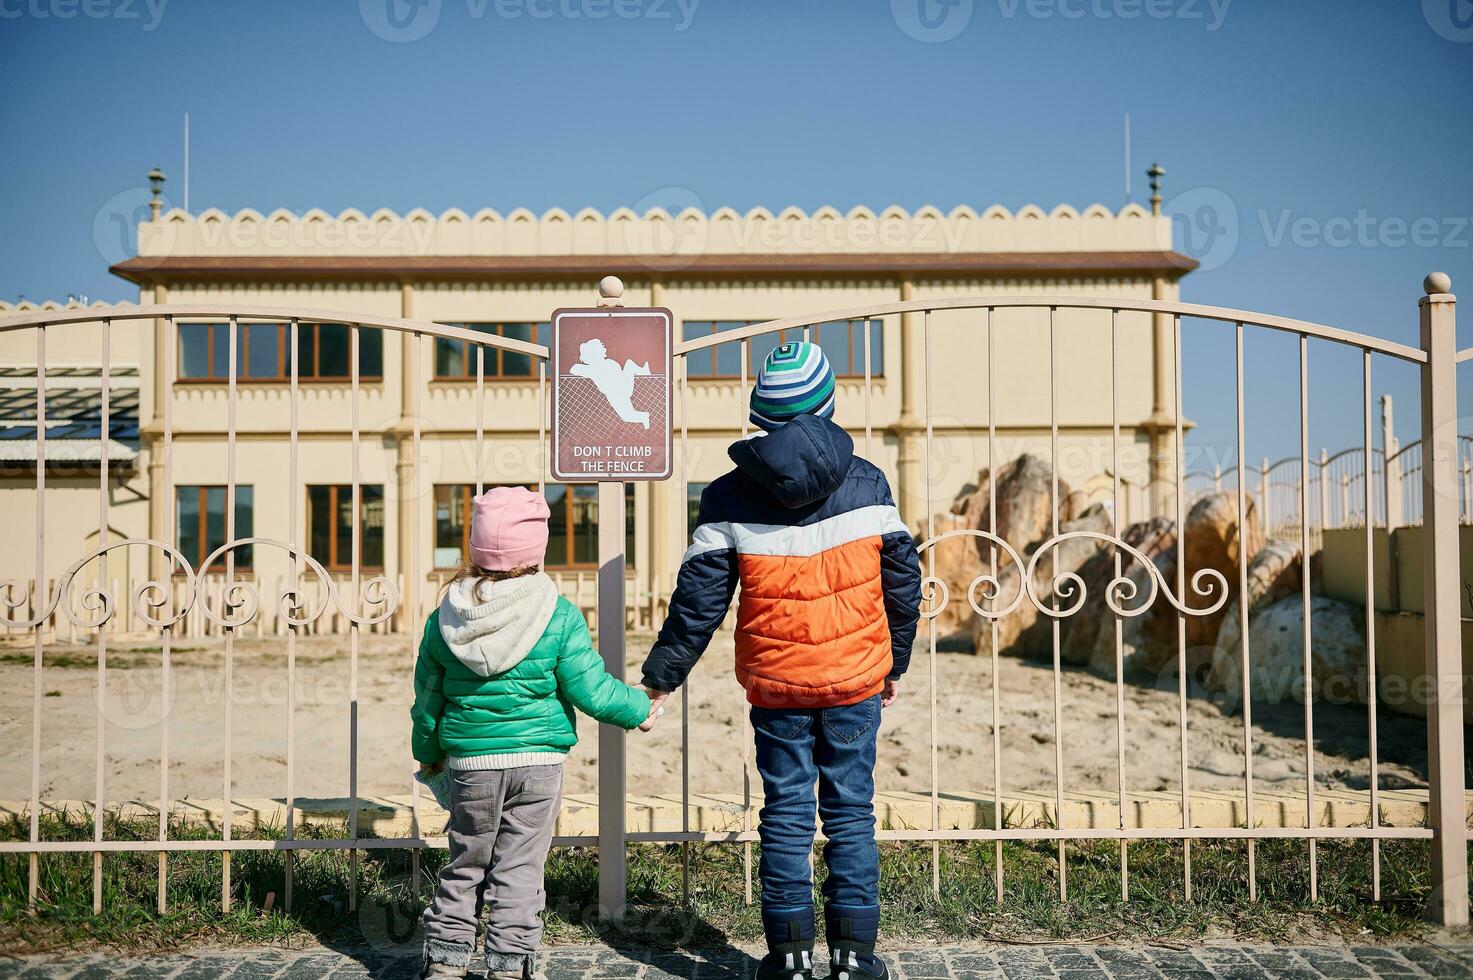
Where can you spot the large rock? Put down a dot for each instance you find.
(957, 564)
(1149, 643)
(1024, 520)
(1276, 652)
(1026, 631)
(1147, 640)
(1214, 540)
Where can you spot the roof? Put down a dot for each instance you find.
(67, 451)
(73, 413)
(146, 269)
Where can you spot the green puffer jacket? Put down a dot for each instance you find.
(499, 673)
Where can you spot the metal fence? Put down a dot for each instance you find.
(1337, 487)
(366, 602)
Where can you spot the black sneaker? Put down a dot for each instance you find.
(849, 961)
(787, 961)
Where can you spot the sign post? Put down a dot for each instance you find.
(611, 425)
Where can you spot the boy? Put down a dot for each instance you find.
(830, 596)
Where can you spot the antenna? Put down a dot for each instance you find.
(186, 163)
(1127, 161)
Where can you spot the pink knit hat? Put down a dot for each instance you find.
(508, 528)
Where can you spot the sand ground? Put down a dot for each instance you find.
(323, 704)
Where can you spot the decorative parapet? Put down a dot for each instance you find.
(30, 306)
(656, 232)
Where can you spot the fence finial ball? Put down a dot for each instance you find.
(1437, 282)
(610, 287)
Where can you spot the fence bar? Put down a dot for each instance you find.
(1446, 804)
(1053, 420)
(167, 633)
(747, 736)
(289, 864)
(1309, 815)
(684, 509)
(1371, 627)
(1247, 689)
(1181, 620)
(1119, 533)
(480, 422)
(412, 615)
(869, 430)
(225, 597)
(931, 621)
(542, 410)
(33, 864)
(997, 813)
(356, 575)
(104, 446)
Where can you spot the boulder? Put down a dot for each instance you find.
(1276, 652)
(1025, 631)
(1147, 641)
(1024, 520)
(958, 565)
(1213, 540)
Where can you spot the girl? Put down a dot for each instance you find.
(503, 663)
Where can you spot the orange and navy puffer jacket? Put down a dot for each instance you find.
(830, 581)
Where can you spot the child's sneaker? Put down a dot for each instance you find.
(856, 961)
(442, 971)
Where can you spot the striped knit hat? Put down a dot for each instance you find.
(795, 380)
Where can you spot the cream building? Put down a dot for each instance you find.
(507, 273)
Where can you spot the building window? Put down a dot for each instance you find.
(572, 532)
(842, 342)
(330, 525)
(201, 523)
(455, 360)
(263, 352)
(693, 493)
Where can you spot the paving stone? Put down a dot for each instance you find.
(1437, 962)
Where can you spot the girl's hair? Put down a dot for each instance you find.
(469, 570)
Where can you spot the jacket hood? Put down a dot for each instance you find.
(492, 628)
(799, 462)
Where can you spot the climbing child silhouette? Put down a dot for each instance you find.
(616, 382)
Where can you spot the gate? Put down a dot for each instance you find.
(365, 601)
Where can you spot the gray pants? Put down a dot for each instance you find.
(501, 823)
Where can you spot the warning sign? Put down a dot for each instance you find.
(611, 394)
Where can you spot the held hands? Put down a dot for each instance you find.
(431, 768)
(891, 692)
(657, 701)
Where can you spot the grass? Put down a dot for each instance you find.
(966, 910)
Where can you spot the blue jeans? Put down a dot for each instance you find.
(834, 747)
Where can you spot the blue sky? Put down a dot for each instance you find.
(1321, 149)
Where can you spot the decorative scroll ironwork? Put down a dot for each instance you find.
(241, 598)
(1069, 585)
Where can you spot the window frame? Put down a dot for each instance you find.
(469, 493)
(306, 374)
(202, 524)
(334, 544)
(493, 368)
(853, 371)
